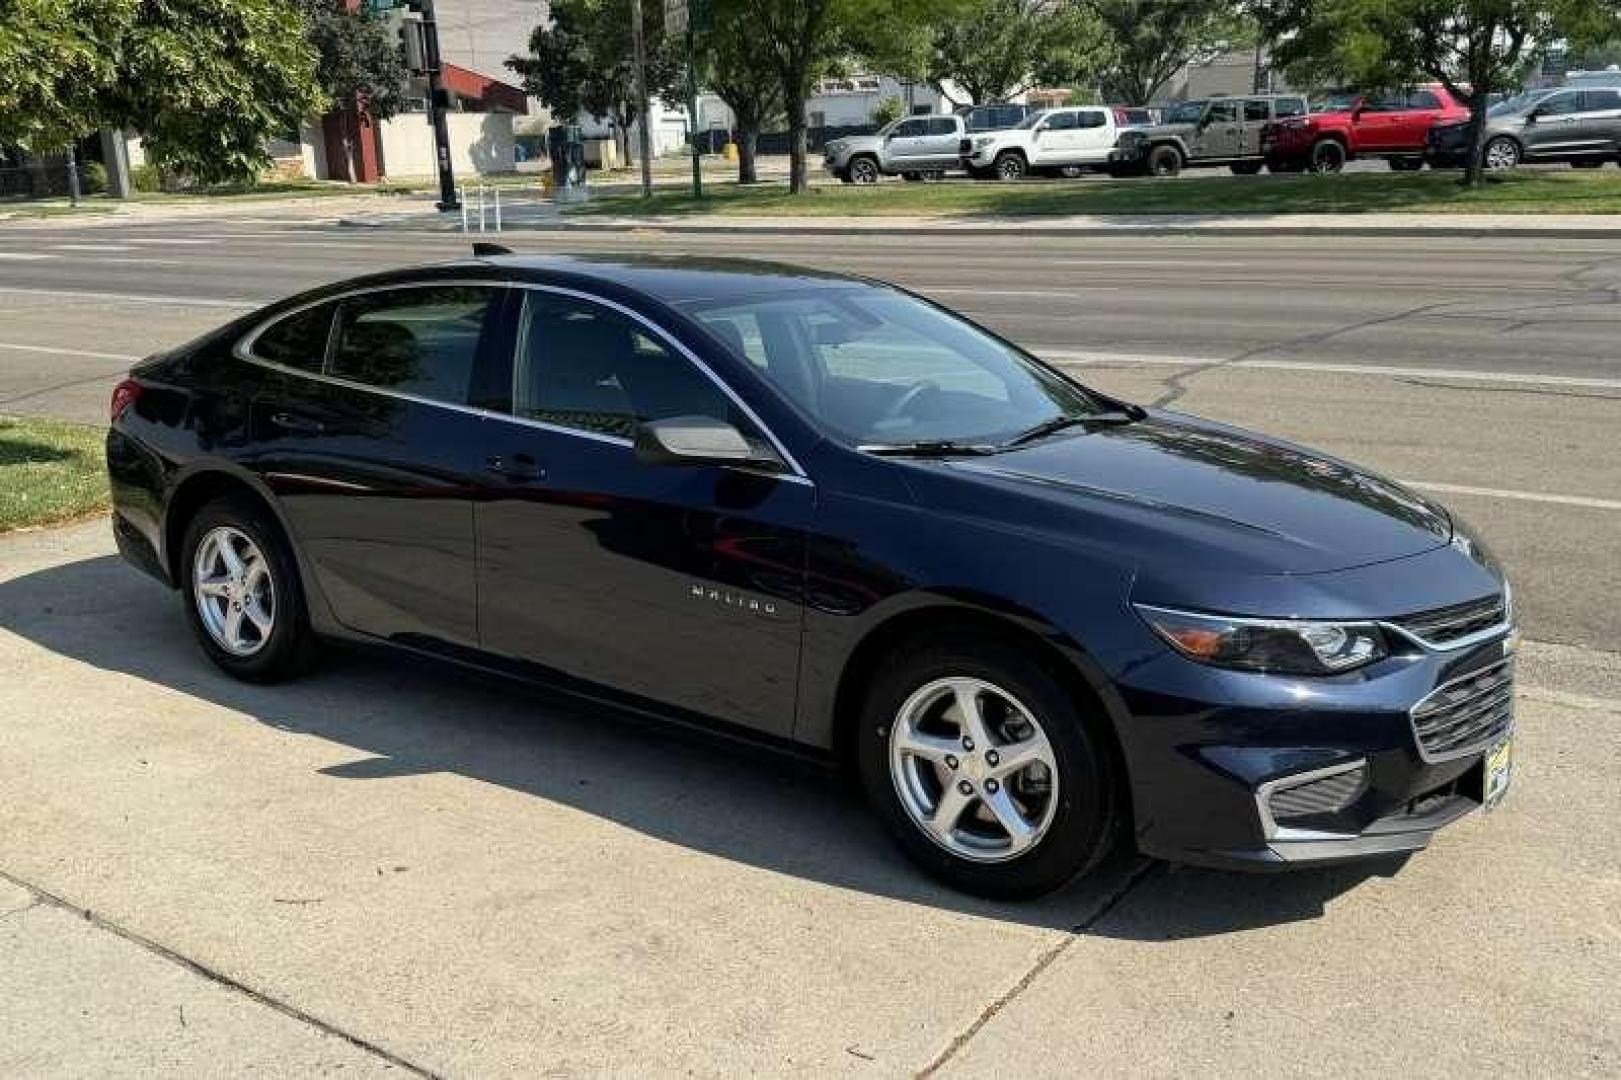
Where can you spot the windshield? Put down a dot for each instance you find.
(1032, 120)
(1186, 113)
(1341, 102)
(876, 367)
(1517, 103)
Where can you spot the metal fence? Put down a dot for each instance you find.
(44, 179)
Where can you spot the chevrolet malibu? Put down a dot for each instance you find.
(1038, 622)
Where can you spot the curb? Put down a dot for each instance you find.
(1026, 228)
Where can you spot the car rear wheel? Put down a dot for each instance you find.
(1010, 165)
(1502, 153)
(981, 766)
(1165, 161)
(242, 595)
(863, 170)
(1328, 156)
(1245, 168)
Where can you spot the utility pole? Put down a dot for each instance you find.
(681, 17)
(639, 49)
(436, 108)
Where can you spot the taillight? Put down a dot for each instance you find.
(124, 395)
(1120, 118)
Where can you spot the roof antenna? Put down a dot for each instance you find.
(484, 250)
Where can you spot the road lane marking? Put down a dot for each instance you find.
(1032, 293)
(1150, 263)
(174, 240)
(133, 298)
(1585, 501)
(54, 351)
(97, 249)
(24, 256)
(1529, 378)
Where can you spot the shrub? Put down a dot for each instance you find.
(887, 109)
(93, 178)
(146, 177)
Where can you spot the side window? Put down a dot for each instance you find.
(1423, 99)
(1061, 121)
(1222, 112)
(298, 341)
(1091, 118)
(911, 129)
(1384, 102)
(942, 125)
(1601, 100)
(1289, 106)
(584, 366)
(1257, 109)
(1561, 104)
(421, 341)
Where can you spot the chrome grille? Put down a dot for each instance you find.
(1439, 626)
(1466, 714)
(1325, 796)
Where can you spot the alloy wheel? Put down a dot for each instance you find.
(974, 770)
(1010, 167)
(863, 171)
(233, 591)
(1502, 154)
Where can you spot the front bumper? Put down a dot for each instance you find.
(1243, 771)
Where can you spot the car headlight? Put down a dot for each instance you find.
(1287, 646)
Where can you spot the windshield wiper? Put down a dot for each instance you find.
(929, 448)
(1059, 423)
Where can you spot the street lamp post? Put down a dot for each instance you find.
(436, 108)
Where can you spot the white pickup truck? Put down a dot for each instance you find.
(1053, 140)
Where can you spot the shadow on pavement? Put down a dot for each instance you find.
(718, 798)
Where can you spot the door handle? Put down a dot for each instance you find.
(297, 424)
(516, 467)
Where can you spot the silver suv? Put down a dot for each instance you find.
(913, 147)
(1581, 125)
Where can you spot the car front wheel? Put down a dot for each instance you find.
(863, 170)
(242, 595)
(1010, 165)
(989, 778)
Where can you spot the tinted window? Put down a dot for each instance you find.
(1601, 100)
(584, 366)
(1061, 121)
(1222, 112)
(1091, 118)
(1561, 104)
(1186, 113)
(298, 340)
(1385, 101)
(1257, 109)
(942, 125)
(415, 341)
(876, 366)
(1289, 106)
(910, 128)
(1423, 99)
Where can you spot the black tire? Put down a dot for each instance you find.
(1010, 165)
(1328, 156)
(912, 177)
(1164, 161)
(1245, 168)
(1405, 164)
(843, 176)
(864, 170)
(1084, 822)
(1500, 154)
(290, 647)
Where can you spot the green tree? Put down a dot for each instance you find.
(1153, 39)
(1475, 48)
(580, 61)
(358, 62)
(991, 50)
(737, 71)
(887, 110)
(205, 82)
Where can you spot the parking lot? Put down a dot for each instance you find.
(383, 868)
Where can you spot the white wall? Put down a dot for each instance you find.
(480, 144)
(843, 108)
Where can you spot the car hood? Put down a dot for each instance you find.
(1183, 490)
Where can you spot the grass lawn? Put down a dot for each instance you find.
(58, 206)
(1527, 192)
(50, 472)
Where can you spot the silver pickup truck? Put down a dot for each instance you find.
(914, 147)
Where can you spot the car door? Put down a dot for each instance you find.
(1094, 135)
(906, 144)
(679, 583)
(1376, 120)
(1553, 124)
(367, 435)
(1219, 134)
(1412, 123)
(1053, 143)
(941, 142)
(1256, 115)
(1597, 129)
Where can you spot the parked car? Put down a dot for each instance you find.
(1048, 141)
(1036, 621)
(993, 117)
(913, 147)
(1391, 124)
(1578, 125)
(1211, 131)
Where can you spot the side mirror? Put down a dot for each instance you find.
(698, 440)
(1531, 117)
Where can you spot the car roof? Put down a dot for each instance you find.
(673, 279)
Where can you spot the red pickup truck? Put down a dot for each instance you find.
(1392, 125)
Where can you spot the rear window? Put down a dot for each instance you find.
(421, 341)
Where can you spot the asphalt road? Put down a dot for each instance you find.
(388, 869)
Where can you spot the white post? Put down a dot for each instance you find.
(481, 208)
(461, 197)
(497, 208)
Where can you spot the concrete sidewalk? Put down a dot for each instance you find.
(383, 866)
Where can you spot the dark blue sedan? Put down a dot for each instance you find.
(1037, 621)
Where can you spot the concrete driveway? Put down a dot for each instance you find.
(384, 868)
